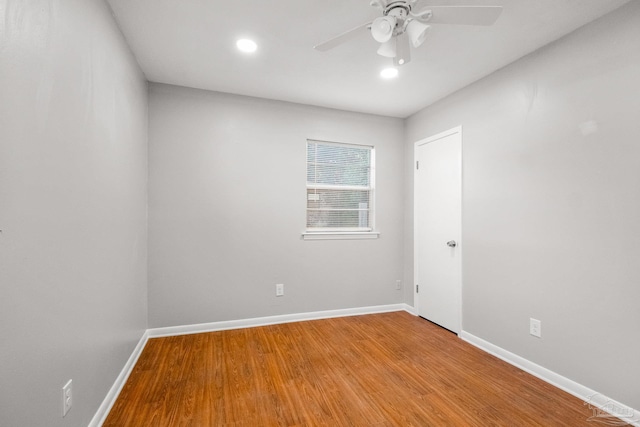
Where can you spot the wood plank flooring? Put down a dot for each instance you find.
(390, 369)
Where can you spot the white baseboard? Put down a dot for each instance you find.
(272, 320)
(410, 309)
(591, 397)
(101, 415)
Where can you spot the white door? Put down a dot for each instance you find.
(437, 223)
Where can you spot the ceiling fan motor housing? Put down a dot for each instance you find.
(404, 5)
(400, 11)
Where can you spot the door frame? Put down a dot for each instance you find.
(416, 301)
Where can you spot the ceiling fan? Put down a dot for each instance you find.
(400, 27)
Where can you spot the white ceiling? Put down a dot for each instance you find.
(192, 43)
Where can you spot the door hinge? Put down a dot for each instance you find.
(417, 289)
(417, 164)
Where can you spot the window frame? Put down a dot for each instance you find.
(340, 233)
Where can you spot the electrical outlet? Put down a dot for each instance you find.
(279, 289)
(398, 284)
(67, 398)
(535, 327)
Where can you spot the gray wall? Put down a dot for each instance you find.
(73, 120)
(227, 208)
(551, 203)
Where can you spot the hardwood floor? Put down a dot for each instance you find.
(390, 369)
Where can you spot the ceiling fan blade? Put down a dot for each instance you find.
(342, 38)
(463, 15)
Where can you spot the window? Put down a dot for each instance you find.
(340, 188)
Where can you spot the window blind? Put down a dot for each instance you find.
(339, 187)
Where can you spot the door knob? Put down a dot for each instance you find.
(451, 243)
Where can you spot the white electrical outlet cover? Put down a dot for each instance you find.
(67, 398)
(535, 327)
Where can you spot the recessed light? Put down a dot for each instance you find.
(246, 45)
(389, 73)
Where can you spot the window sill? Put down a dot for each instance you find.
(340, 235)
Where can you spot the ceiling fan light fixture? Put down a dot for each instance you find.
(382, 28)
(389, 73)
(246, 45)
(388, 49)
(417, 32)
